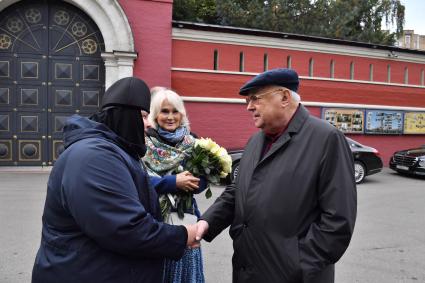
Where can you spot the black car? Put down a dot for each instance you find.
(366, 160)
(409, 161)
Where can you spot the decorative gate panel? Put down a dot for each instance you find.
(50, 68)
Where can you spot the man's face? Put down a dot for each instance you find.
(267, 107)
(146, 122)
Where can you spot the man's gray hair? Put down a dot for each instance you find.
(295, 96)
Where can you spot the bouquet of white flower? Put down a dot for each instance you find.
(206, 159)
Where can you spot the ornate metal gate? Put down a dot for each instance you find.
(50, 68)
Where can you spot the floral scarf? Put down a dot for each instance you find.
(163, 159)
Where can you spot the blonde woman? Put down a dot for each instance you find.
(169, 142)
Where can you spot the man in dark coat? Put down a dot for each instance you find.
(292, 207)
(101, 220)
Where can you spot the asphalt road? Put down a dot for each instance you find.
(388, 244)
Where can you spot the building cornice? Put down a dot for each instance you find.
(275, 40)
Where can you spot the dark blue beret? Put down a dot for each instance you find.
(282, 77)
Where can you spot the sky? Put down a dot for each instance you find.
(414, 15)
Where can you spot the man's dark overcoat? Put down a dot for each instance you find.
(292, 212)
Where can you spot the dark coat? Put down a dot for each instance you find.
(292, 212)
(101, 220)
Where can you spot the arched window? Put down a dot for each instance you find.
(311, 67)
(352, 71)
(289, 62)
(241, 62)
(332, 69)
(388, 73)
(406, 75)
(215, 59)
(266, 62)
(371, 72)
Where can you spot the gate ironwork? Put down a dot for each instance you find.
(50, 68)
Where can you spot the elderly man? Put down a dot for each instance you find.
(292, 207)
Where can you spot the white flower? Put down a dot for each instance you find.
(201, 142)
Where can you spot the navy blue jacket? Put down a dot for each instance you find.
(101, 220)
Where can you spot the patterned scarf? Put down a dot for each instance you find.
(164, 159)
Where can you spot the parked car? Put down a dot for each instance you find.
(367, 160)
(409, 161)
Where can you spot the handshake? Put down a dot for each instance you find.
(195, 233)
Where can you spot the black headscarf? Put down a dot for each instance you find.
(127, 123)
(120, 112)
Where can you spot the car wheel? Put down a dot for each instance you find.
(359, 172)
(235, 171)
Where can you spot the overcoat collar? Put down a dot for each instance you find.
(294, 127)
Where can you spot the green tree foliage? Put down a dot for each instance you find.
(203, 11)
(357, 20)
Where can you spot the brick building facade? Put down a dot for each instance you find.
(207, 65)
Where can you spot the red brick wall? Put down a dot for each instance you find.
(200, 55)
(231, 125)
(227, 86)
(150, 22)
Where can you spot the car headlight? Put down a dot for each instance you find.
(422, 162)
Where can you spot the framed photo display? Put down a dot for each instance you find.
(344, 119)
(384, 122)
(414, 123)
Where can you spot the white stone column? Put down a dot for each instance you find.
(118, 64)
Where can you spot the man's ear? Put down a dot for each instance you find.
(285, 96)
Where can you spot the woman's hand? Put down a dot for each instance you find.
(187, 182)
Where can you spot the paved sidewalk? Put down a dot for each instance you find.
(388, 243)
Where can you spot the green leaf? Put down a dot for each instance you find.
(208, 193)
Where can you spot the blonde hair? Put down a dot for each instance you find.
(158, 96)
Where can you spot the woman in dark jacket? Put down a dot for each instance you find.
(101, 220)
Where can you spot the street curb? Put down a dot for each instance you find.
(25, 169)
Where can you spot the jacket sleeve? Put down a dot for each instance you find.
(164, 185)
(102, 197)
(220, 215)
(203, 184)
(328, 238)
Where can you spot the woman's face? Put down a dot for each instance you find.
(169, 118)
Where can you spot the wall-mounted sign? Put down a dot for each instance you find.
(414, 122)
(384, 122)
(346, 120)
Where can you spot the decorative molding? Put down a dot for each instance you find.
(291, 44)
(306, 103)
(112, 22)
(118, 65)
(301, 77)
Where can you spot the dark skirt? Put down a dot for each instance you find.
(188, 269)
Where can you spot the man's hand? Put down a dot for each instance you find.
(202, 226)
(187, 182)
(191, 236)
